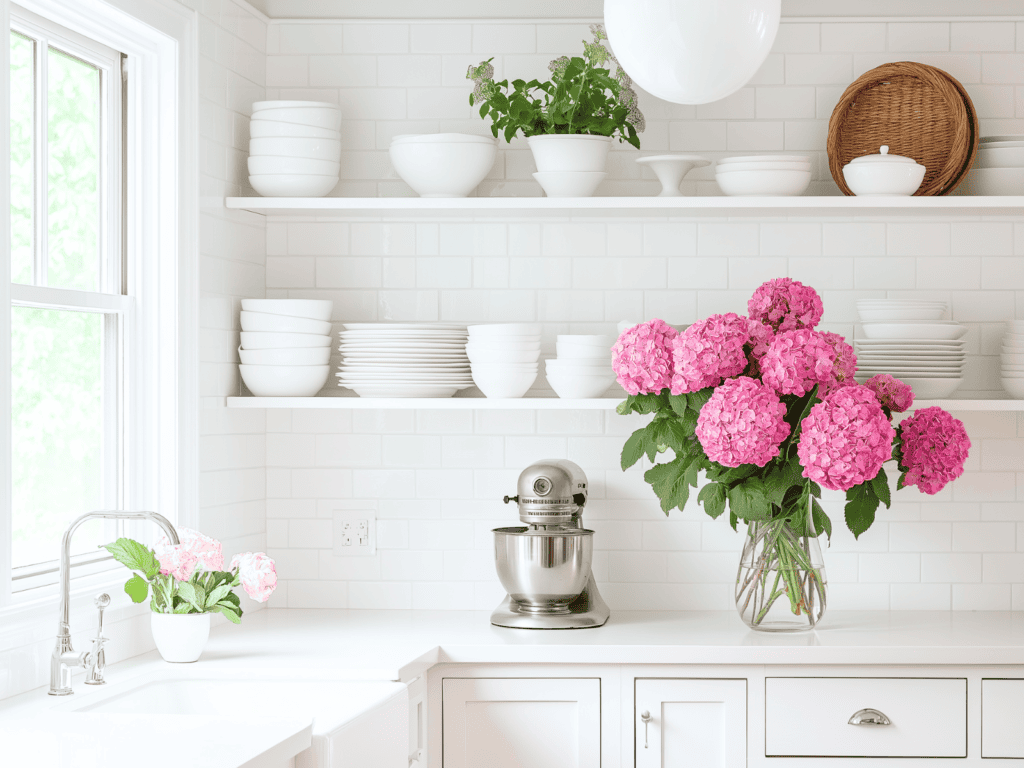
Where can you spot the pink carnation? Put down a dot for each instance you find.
(797, 360)
(845, 365)
(208, 552)
(892, 393)
(642, 357)
(845, 439)
(743, 423)
(934, 448)
(708, 351)
(785, 305)
(176, 560)
(257, 574)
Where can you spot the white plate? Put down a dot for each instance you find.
(433, 364)
(370, 390)
(863, 376)
(933, 389)
(904, 331)
(411, 359)
(910, 343)
(369, 345)
(401, 335)
(912, 356)
(404, 326)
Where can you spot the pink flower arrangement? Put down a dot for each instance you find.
(708, 351)
(744, 422)
(845, 366)
(178, 561)
(798, 360)
(934, 448)
(206, 553)
(642, 357)
(845, 439)
(258, 574)
(786, 305)
(892, 393)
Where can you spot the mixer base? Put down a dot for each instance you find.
(585, 612)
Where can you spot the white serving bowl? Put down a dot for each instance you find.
(259, 321)
(774, 166)
(882, 174)
(443, 168)
(316, 117)
(932, 389)
(302, 356)
(477, 355)
(503, 382)
(441, 138)
(299, 166)
(284, 380)
(575, 386)
(765, 159)
(312, 309)
(263, 340)
(576, 352)
(569, 183)
(505, 366)
(943, 331)
(292, 185)
(994, 181)
(1012, 358)
(282, 146)
(999, 157)
(1014, 386)
(768, 183)
(597, 339)
(491, 330)
(267, 129)
(578, 363)
(909, 314)
(259, 106)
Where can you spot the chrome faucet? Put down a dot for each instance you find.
(64, 658)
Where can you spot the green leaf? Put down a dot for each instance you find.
(780, 479)
(184, 608)
(679, 404)
(233, 617)
(136, 588)
(635, 447)
(698, 399)
(192, 595)
(880, 485)
(217, 595)
(861, 504)
(749, 500)
(822, 523)
(135, 556)
(902, 482)
(671, 482)
(713, 497)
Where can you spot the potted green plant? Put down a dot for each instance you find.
(570, 120)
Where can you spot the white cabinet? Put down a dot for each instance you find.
(521, 722)
(1002, 713)
(690, 722)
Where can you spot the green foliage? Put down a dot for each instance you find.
(131, 554)
(137, 588)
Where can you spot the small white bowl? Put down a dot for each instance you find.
(443, 168)
(483, 356)
(260, 106)
(259, 321)
(568, 364)
(503, 329)
(767, 183)
(312, 309)
(598, 340)
(293, 185)
(281, 146)
(994, 181)
(506, 366)
(944, 331)
(571, 386)
(999, 157)
(777, 166)
(316, 117)
(765, 159)
(503, 382)
(262, 340)
(284, 380)
(299, 166)
(504, 348)
(267, 129)
(302, 356)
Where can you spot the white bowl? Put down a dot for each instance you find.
(506, 366)
(900, 315)
(914, 330)
(502, 381)
(999, 157)
(441, 138)
(284, 380)
(1014, 386)
(504, 349)
(598, 339)
(312, 309)
(316, 117)
(491, 330)
(765, 159)
(578, 352)
(283, 146)
(443, 169)
(260, 106)
(994, 181)
(263, 340)
(1012, 358)
(300, 166)
(573, 386)
(774, 166)
(578, 363)
(293, 185)
(768, 183)
(302, 356)
(883, 179)
(485, 355)
(932, 389)
(267, 129)
(569, 183)
(259, 321)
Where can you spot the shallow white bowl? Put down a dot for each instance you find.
(293, 185)
(266, 129)
(303, 356)
(569, 183)
(317, 117)
(768, 183)
(503, 329)
(900, 303)
(994, 181)
(483, 356)
(281, 146)
(443, 169)
(262, 340)
(259, 321)
(1014, 386)
(572, 386)
(302, 166)
(999, 157)
(764, 166)
(441, 138)
(503, 382)
(932, 389)
(312, 309)
(284, 380)
(914, 330)
(573, 352)
(506, 366)
(765, 159)
(579, 363)
(598, 340)
(909, 314)
(259, 106)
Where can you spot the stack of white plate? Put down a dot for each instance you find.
(404, 359)
(769, 175)
(286, 346)
(909, 340)
(504, 358)
(295, 148)
(1013, 359)
(998, 168)
(583, 367)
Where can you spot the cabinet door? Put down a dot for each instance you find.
(692, 722)
(521, 723)
(1002, 712)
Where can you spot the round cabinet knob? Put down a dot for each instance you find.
(869, 717)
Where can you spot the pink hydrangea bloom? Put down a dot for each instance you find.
(257, 574)
(797, 360)
(845, 365)
(785, 305)
(708, 351)
(845, 439)
(642, 357)
(208, 552)
(743, 423)
(934, 446)
(176, 560)
(891, 392)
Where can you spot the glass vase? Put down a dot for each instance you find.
(781, 584)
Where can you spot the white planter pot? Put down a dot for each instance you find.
(569, 152)
(181, 637)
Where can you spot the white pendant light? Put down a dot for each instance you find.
(691, 51)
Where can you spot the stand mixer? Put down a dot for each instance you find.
(545, 566)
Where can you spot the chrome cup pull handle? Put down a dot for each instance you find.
(646, 717)
(869, 717)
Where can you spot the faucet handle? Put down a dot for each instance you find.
(97, 657)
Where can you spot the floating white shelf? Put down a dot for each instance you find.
(411, 207)
(529, 403)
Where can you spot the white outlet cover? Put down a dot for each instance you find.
(347, 524)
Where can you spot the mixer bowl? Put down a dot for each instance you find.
(543, 571)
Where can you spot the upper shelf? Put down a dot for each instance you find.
(412, 207)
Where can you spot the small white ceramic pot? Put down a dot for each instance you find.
(883, 174)
(181, 637)
(555, 152)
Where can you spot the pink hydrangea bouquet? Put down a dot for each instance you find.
(768, 409)
(190, 577)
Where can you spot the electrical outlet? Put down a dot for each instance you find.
(355, 533)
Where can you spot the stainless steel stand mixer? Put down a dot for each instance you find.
(545, 566)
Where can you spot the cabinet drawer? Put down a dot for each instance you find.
(1002, 712)
(809, 717)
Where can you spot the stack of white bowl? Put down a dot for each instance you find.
(768, 175)
(503, 358)
(294, 148)
(910, 341)
(1013, 359)
(286, 346)
(443, 164)
(583, 367)
(998, 168)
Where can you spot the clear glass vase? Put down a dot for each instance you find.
(781, 584)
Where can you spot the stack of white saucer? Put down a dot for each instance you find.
(1012, 358)
(503, 358)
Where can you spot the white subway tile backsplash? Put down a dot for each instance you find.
(919, 36)
(853, 37)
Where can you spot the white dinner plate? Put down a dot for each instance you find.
(917, 359)
(439, 345)
(863, 376)
(369, 390)
(910, 343)
(404, 326)
(906, 331)
(399, 365)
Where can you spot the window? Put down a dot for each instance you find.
(71, 313)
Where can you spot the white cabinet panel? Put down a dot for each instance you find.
(1002, 715)
(809, 717)
(521, 722)
(691, 722)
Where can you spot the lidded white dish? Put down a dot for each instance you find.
(883, 174)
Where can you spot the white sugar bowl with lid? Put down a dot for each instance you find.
(883, 174)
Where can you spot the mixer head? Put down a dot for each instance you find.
(551, 492)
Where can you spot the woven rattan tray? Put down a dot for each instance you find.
(919, 111)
